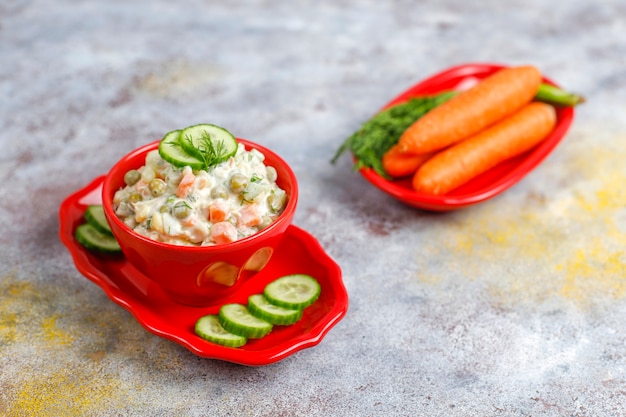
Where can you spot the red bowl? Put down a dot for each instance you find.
(488, 184)
(198, 275)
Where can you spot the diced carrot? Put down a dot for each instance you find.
(491, 100)
(223, 232)
(218, 211)
(459, 163)
(189, 221)
(185, 184)
(397, 164)
(249, 216)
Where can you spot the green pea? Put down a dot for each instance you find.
(238, 182)
(276, 201)
(132, 177)
(219, 192)
(135, 197)
(157, 187)
(181, 210)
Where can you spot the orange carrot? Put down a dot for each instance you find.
(248, 216)
(223, 232)
(397, 164)
(512, 136)
(494, 98)
(218, 211)
(185, 184)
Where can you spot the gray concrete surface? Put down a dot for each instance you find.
(511, 308)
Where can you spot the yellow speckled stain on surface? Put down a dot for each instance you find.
(597, 272)
(52, 333)
(570, 243)
(18, 318)
(11, 309)
(66, 393)
(54, 382)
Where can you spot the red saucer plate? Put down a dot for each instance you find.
(299, 252)
(488, 184)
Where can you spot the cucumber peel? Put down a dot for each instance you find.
(209, 328)
(95, 216)
(171, 150)
(209, 143)
(199, 146)
(91, 238)
(295, 291)
(260, 307)
(236, 323)
(96, 233)
(236, 319)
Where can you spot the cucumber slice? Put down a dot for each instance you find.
(236, 319)
(209, 328)
(207, 142)
(171, 150)
(295, 291)
(95, 216)
(263, 309)
(91, 238)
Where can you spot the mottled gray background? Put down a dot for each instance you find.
(511, 308)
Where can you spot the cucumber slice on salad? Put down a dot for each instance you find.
(236, 319)
(95, 216)
(210, 143)
(171, 150)
(209, 328)
(91, 238)
(263, 309)
(295, 291)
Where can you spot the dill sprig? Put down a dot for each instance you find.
(383, 130)
(210, 152)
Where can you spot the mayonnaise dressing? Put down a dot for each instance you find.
(232, 200)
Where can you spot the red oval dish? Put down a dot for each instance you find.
(488, 184)
(298, 252)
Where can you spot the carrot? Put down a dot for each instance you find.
(495, 97)
(249, 216)
(218, 211)
(223, 232)
(397, 164)
(185, 184)
(459, 163)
